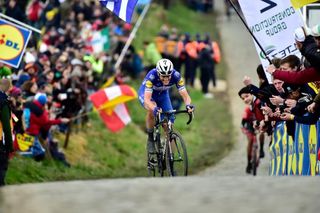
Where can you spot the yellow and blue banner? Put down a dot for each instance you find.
(272, 152)
(300, 3)
(13, 41)
(290, 155)
(295, 157)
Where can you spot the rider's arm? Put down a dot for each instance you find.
(185, 96)
(148, 104)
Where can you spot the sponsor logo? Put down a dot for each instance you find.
(11, 42)
(269, 50)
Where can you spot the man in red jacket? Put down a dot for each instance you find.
(36, 118)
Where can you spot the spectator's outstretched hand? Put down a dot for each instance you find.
(312, 107)
(286, 116)
(271, 68)
(246, 80)
(276, 100)
(291, 103)
(65, 120)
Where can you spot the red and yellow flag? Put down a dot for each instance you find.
(110, 104)
(300, 3)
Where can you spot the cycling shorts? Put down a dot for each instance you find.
(162, 100)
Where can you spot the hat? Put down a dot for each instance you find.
(41, 98)
(5, 71)
(315, 30)
(22, 78)
(299, 34)
(29, 57)
(76, 62)
(15, 92)
(127, 26)
(31, 65)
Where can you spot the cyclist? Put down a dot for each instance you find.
(252, 119)
(154, 94)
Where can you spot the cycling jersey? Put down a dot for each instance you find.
(160, 92)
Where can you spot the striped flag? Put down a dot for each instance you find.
(122, 8)
(100, 41)
(110, 104)
(300, 3)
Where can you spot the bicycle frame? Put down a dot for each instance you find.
(162, 147)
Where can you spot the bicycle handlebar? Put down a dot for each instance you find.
(174, 112)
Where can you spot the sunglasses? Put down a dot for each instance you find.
(165, 76)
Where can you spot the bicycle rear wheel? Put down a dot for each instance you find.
(176, 156)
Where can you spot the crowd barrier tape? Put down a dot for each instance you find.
(295, 157)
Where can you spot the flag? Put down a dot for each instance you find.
(300, 3)
(100, 41)
(110, 104)
(122, 8)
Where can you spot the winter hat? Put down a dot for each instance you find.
(15, 92)
(22, 78)
(299, 34)
(41, 98)
(315, 31)
(5, 71)
(75, 62)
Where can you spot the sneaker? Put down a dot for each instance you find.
(261, 155)
(151, 147)
(208, 95)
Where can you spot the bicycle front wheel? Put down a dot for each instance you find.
(176, 156)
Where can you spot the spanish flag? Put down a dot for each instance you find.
(300, 3)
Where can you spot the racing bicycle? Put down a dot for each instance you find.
(171, 152)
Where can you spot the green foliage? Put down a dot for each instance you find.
(94, 152)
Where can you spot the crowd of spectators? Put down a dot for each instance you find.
(62, 66)
(293, 95)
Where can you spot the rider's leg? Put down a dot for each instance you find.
(249, 153)
(150, 124)
(261, 143)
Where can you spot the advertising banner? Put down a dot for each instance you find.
(13, 41)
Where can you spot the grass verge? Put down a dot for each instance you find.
(94, 152)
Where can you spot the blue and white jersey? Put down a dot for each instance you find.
(153, 84)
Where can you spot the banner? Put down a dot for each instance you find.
(300, 3)
(13, 41)
(273, 24)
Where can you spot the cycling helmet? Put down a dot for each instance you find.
(164, 67)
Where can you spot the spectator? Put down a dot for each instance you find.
(13, 10)
(38, 120)
(6, 146)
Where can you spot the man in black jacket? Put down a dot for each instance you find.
(5, 129)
